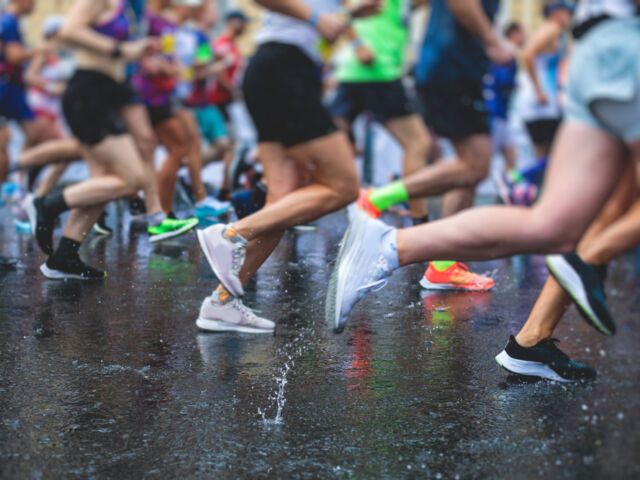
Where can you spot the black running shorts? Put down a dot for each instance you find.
(91, 106)
(384, 100)
(159, 114)
(454, 110)
(283, 92)
(543, 131)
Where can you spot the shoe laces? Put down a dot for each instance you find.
(552, 344)
(246, 311)
(237, 256)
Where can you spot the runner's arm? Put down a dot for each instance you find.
(540, 42)
(32, 75)
(77, 30)
(470, 15)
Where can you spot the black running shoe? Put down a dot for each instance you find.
(101, 226)
(7, 263)
(582, 283)
(544, 360)
(41, 225)
(137, 207)
(73, 268)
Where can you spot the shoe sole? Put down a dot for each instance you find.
(427, 285)
(336, 283)
(214, 214)
(220, 326)
(98, 229)
(305, 228)
(528, 368)
(176, 233)
(571, 282)
(58, 275)
(205, 249)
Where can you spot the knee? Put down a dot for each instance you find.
(418, 150)
(551, 233)
(346, 190)
(146, 144)
(135, 182)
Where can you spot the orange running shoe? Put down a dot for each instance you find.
(456, 277)
(365, 204)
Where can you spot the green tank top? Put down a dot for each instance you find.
(387, 34)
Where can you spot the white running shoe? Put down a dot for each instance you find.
(368, 255)
(225, 250)
(232, 316)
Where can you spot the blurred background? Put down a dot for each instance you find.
(527, 12)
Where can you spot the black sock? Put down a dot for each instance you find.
(420, 221)
(54, 204)
(67, 249)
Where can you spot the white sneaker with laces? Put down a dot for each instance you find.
(231, 316)
(225, 250)
(368, 255)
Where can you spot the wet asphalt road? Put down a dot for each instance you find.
(113, 380)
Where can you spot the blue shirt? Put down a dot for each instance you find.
(10, 33)
(449, 51)
(499, 83)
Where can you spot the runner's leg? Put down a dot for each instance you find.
(414, 138)
(329, 162)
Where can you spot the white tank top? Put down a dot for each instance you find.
(276, 27)
(547, 66)
(588, 9)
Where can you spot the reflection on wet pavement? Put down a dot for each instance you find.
(114, 380)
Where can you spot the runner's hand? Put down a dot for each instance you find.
(542, 97)
(500, 52)
(330, 26)
(365, 55)
(365, 8)
(134, 50)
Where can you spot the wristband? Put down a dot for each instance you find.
(356, 43)
(117, 51)
(314, 18)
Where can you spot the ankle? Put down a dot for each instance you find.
(67, 250)
(529, 337)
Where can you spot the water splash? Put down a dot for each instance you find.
(278, 395)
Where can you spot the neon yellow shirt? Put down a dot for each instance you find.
(387, 34)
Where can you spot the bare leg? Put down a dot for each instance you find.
(584, 168)
(413, 136)
(283, 176)
(601, 243)
(5, 136)
(474, 153)
(81, 220)
(509, 154)
(59, 150)
(51, 179)
(194, 155)
(329, 163)
(175, 139)
(137, 122)
(446, 176)
(39, 130)
(120, 157)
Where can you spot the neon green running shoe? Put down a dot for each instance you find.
(171, 227)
